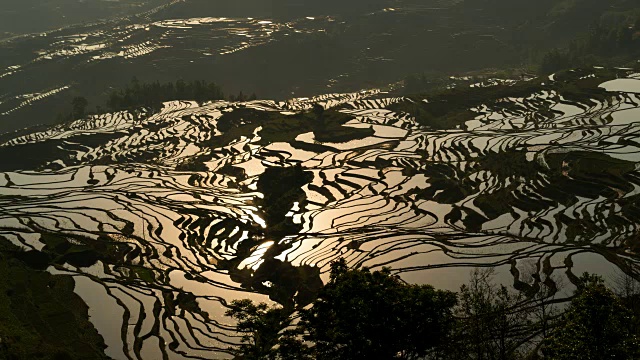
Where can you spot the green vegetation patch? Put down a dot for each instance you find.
(40, 315)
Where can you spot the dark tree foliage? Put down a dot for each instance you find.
(260, 326)
(627, 288)
(374, 315)
(361, 314)
(491, 324)
(358, 315)
(152, 95)
(79, 106)
(608, 38)
(263, 335)
(41, 318)
(242, 97)
(78, 110)
(595, 326)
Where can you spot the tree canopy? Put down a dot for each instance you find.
(366, 315)
(358, 315)
(595, 326)
(152, 95)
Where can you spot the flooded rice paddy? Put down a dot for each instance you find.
(164, 218)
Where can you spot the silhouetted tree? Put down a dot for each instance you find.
(358, 315)
(79, 106)
(491, 323)
(242, 97)
(595, 326)
(260, 326)
(152, 95)
(375, 315)
(627, 289)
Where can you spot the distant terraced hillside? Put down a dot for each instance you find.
(19, 17)
(279, 50)
(163, 218)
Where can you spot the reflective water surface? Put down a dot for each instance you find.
(177, 213)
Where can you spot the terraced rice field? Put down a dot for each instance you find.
(164, 218)
(261, 52)
(73, 59)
